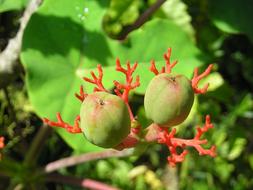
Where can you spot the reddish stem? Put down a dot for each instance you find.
(84, 183)
(168, 65)
(97, 80)
(60, 123)
(196, 78)
(128, 86)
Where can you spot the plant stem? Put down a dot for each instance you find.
(142, 19)
(74, 160)
(86, 183)
(11, 107)
(37, 144)
(10, 55)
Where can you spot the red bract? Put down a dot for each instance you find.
(155, 132)
(196, 78)
(97, 80)
(82, 95)
(1, 145)
(2, 142)
(168, 67)
(165, 137)
(128, 86)
(60, 123)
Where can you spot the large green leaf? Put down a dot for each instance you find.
(51, 51)
(233, 16)
(8, 5)
(142, 47)
(176, 11)
(64, 40)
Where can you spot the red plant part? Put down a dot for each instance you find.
(2, 142)
(167, 68)
(1, 145)
(165, 137)
(196, 78)
(60, 123)
(82, 95)
(97, 80)
(153, 133)
(128, 86)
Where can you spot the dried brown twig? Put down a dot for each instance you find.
(10, 55)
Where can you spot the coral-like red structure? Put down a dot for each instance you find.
(172, 143)
(2, 142)
(1, 145)
(154, 132)
(196, 78)
(168, 66)
(60, 123)
(97, 80)
(128, 86)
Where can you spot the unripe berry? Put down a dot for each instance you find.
(168, 99)
(105, 119)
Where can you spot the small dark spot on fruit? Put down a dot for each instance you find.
(101, 102)
(173, 79)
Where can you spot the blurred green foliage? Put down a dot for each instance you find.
(120, 14)
(8, 5)
(65, 40)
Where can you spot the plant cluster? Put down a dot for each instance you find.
(106, 118)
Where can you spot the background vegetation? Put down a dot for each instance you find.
(64, 40)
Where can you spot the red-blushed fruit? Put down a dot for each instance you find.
(168, 99)
(105, 120)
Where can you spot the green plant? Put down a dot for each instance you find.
(63, 42)
(92, 119)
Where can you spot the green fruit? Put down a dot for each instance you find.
(168, 99)
(105, 119)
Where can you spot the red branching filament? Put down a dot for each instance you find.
(1, 145)
(196, 78)
(167, 68)
(129, 85)
(129, 79)
(60, 123)
(82, 95)
(2, 142)
(165, 137)
(97, 80)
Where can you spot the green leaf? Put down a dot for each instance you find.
(251, 161)
(152, 41)
(64, 40)
(223, 169)
(51, 58)
(232, 16)
(8, 5)
(237, 148)
(214, 79)
(176, 11)
(167, 34)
